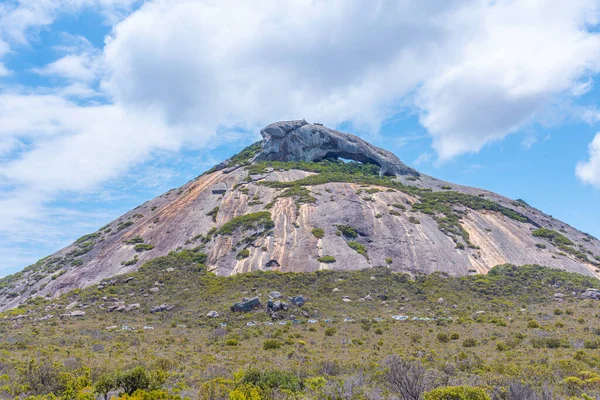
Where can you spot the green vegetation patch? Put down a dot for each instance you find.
(143, 247)
(213, 213)
(326, 259)
(319, 233)
(259, 221)
(359, 248)
(347, 231)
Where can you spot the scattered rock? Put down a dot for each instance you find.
(212, 314)
(160, 308)
(441, 300)
(246, 305)
(591, 294)
(275, 295)
(71, 305)
(305, 313)
(336, 290)
(128, 279)
(133, 306)
(170, 269)
(368, 297)
(74, 314)
(154, 289)
(298, 301)
(454, 306)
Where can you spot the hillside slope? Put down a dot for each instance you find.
(286, 204)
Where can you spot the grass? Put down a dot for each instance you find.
(195, 352)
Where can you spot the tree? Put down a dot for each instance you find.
(407, 378)
(133, 379)
(105, 384)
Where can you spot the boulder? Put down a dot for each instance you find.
(133, 306)
(298, 300)
(161, 308)
(591, 294)
(246, 305)
(301, 141)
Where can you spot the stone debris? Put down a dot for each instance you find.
(591, 294)
(161, 308)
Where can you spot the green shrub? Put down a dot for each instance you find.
(388, 260)
(254, 221)
(359, 248)
(213, 213)
(552, 236)
(232, 342)
(135, 240)
(273, 379)
(413, 220)
(319, 233)
(446, 187)
(143, 247)
(124, 225)
(443, 337)
(470, 342)
(244, 253)
(326, 259)
(347, 231)
(457, 393)
(271, 344)
(533, 324)
(330, 331)
(454, 336)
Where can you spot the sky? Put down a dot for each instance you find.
(105, 104)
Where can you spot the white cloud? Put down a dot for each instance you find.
(3, 70)
(478, 70)
(75, 67)
(589, 171)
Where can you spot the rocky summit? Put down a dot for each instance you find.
(309, 198)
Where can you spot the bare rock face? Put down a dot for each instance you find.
(390, 229)
(301, 141)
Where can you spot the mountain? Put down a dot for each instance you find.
(293, 202)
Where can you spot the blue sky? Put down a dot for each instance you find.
(105, 104)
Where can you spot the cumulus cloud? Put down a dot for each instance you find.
(178, 72)
(3, 70)
(476, 70)
(589, 171)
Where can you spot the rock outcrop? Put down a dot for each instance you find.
(245, 223)
(301, 141)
